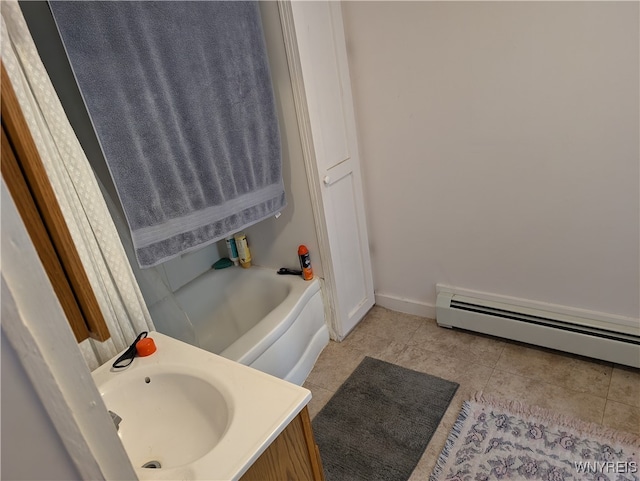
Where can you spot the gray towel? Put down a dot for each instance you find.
(180, 97)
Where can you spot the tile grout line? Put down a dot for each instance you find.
(494, 369)
(604, 410)
(484, 388)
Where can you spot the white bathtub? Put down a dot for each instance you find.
(253, 316)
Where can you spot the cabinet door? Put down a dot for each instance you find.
(293, 455)
(327, 121)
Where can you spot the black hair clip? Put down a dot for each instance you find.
(286, 271)
(128, 355)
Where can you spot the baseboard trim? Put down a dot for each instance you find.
(407, 306)
(609, 319)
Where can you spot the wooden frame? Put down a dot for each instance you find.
(27, 181)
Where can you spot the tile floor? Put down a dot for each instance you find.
(591, 390)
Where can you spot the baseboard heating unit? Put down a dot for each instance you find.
(610, 338)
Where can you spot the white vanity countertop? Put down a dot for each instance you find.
(260, 406)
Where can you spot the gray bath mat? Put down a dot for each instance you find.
(379, 422)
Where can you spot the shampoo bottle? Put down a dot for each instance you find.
(305, 263)
(244, 254)
(232, 250)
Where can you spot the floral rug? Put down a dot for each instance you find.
(494, 439)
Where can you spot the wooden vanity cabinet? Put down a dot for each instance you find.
(292, 456)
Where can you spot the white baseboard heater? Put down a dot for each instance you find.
(610, 338)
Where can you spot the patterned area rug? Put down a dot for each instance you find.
(495, 439)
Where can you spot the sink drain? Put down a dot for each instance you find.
(152, 465)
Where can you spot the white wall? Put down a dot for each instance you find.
(499, 143)
(31, 446)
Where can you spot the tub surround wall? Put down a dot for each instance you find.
(273, 242)
(500, 144)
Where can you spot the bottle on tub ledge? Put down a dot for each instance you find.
(305, 263)
(232, 250)
(244, 254)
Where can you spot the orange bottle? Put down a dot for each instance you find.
(305, 263)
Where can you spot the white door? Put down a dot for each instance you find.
(315, 42)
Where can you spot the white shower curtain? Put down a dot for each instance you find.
(77, 191)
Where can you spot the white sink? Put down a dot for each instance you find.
(190, 409)
(190, 414)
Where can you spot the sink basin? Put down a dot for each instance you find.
(191, 414)
(169, 418)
